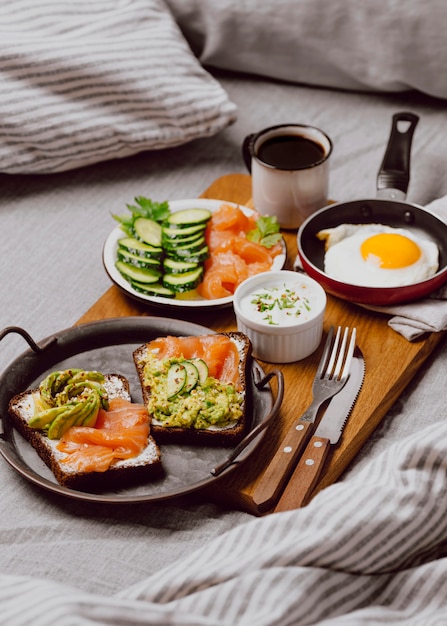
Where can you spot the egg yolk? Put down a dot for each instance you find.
(390, 250)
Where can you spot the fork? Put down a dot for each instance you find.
(330, 378)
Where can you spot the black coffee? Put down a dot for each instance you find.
(290, 152)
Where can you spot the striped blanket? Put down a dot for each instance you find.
(369, 550)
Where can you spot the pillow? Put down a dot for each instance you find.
(386, 45)
(87, 81)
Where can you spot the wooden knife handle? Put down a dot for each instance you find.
(306, 475)
(271, 484)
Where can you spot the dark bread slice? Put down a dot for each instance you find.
(122, 472)
(214, 436)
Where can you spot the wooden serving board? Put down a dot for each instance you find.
(391, 362)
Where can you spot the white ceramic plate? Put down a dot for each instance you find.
(110, 253)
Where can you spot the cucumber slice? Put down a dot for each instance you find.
(178, 267)
(191, 243)
(137, 247)
(148, 231)
(188, 217)
(153, 289)
(202, 369)
(192, 376)
(139, 261)
(180, 233)
(183, 282)
(165, 259)
(130, 272)
(176, 379)
(194, 256)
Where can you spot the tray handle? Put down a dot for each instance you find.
(32, 344)
(216, 471)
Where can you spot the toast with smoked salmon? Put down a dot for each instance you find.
(195, 388)
(84, 426)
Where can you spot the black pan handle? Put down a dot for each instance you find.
(394, 173)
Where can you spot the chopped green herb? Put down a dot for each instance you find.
(268, 318)
(284, 300)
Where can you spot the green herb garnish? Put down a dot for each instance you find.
(283, 300)
(266, 232)
(144, 207)
(269, 318)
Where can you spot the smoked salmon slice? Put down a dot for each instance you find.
(223, 273)
(229, 217)
(233, 257)
(121, 432)
(219, 352)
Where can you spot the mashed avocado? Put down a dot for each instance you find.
(209, 404)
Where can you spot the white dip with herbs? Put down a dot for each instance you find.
(281, 304)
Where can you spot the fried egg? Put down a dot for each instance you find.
(375, 255)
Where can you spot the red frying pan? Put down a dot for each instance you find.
(388, 208)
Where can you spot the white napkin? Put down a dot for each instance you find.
(414, 319)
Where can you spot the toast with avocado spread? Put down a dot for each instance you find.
(195, 388)
(84, 426)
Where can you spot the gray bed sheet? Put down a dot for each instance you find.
(52, 229)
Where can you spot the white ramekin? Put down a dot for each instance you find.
(282, 343)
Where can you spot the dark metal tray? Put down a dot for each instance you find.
(107, 346)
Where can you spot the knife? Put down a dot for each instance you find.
(271, 483)
(311, 464)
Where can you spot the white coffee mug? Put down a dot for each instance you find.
(289, 165)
